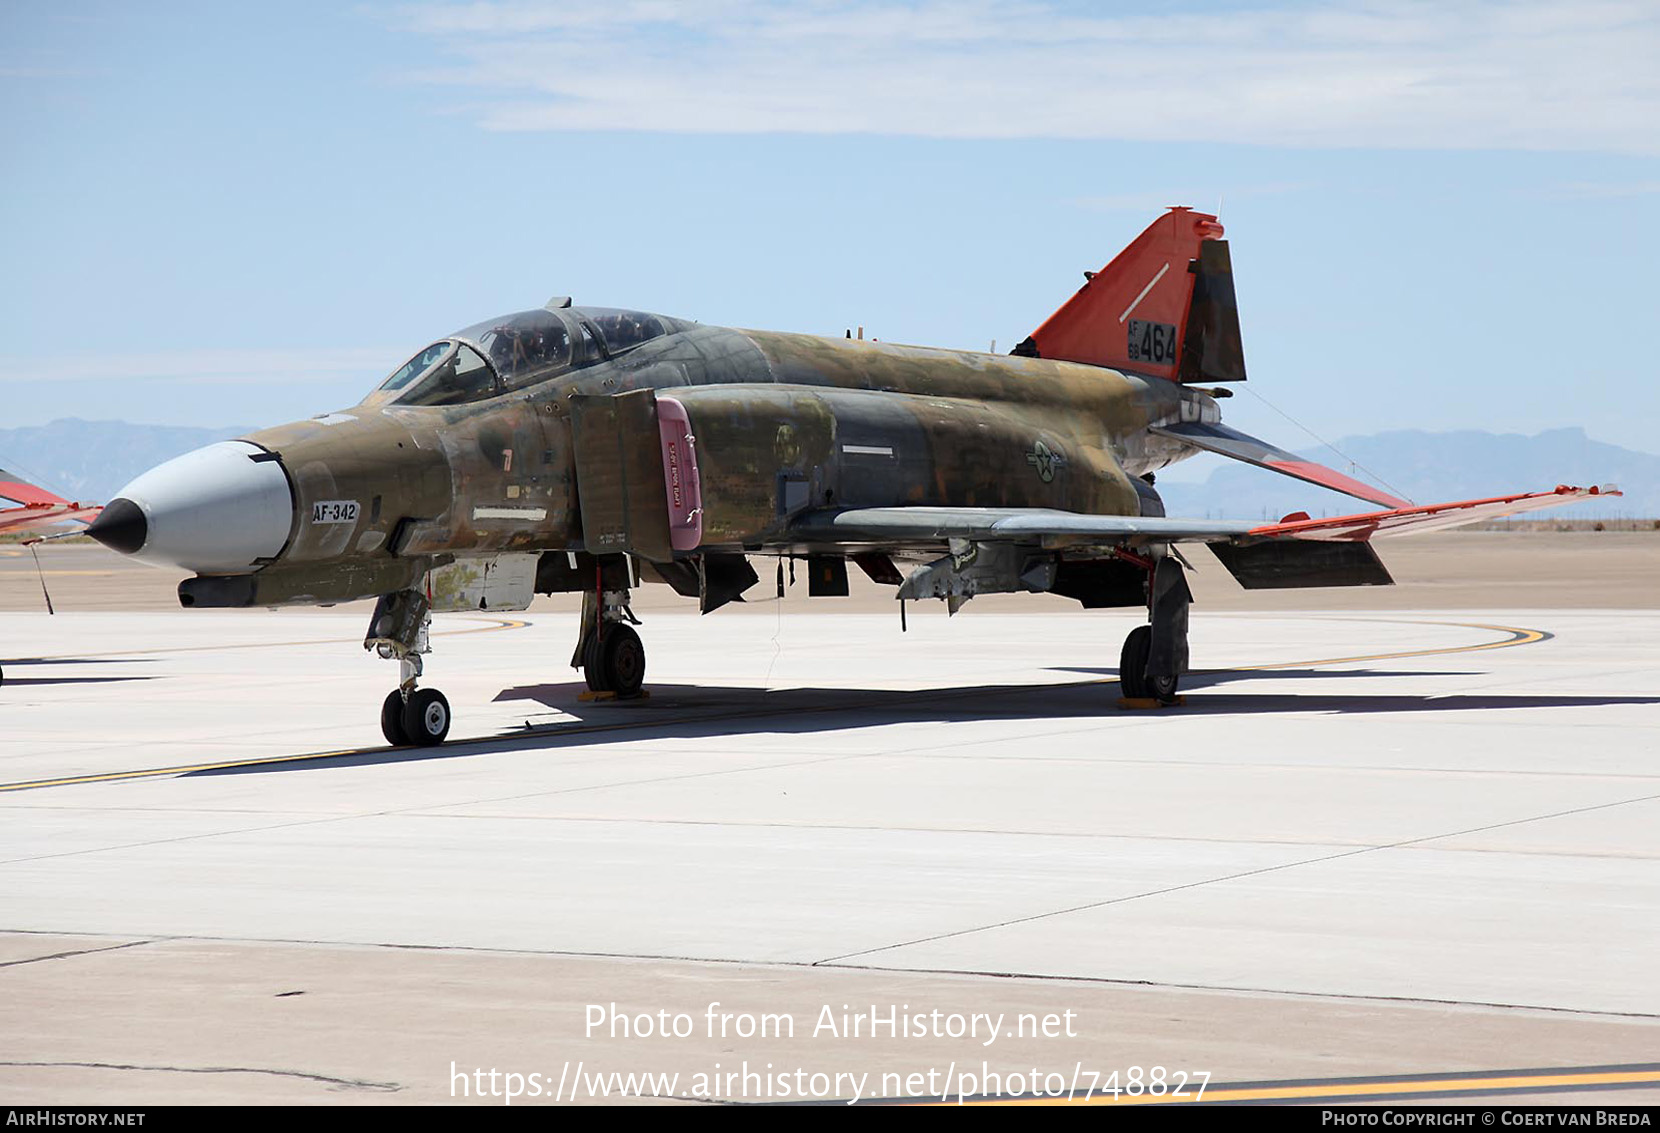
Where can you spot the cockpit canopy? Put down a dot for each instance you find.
(515, 351)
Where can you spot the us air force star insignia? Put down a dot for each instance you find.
(1045, 460)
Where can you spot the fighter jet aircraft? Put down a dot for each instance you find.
(589, 449)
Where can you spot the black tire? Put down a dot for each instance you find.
(391, 719)
(1163, 689)
(426, 717)
(1132, 664)
(622, 659)
(593, 669)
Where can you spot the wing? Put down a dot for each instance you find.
(1295, 552)
(931, 526)
(935, 525)
(1429, 517)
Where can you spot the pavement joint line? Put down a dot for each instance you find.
(430, 809)
(425, 810)
(971, 831)
(1517, 637)
(1118, 984)
(433, 811)
(1235, 989)
(202, 836)
(1167, 890)
(349, 1083)
(74, 952)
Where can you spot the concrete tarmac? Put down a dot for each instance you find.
(1451, 570)
(1405, 844)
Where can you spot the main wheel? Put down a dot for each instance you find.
(1163, 688)
(593, 669)
(391, 719)
(426, 717)
(1132, 664)
(622, 659)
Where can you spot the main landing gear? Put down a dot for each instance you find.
(609, 652)
(1155, 655)
(398, 630)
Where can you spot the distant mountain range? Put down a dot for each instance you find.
(90, 461)
(1435, 468)
(93, 460)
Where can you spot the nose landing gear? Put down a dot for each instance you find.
(398, 630)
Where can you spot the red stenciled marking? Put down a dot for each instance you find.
(674, 479)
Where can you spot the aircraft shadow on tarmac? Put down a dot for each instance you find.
(714, 711)
(9, 667)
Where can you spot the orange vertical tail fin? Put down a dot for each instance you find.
(1163, 307)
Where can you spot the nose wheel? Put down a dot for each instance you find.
(398, 631)
(391, 719)
(422, 718)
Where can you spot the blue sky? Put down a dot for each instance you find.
(1439, 213)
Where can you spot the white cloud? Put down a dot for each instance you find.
(207, 367)
(1389, 73)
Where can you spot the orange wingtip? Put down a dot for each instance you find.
(1426, 517)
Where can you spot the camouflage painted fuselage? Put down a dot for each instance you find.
(825, 422)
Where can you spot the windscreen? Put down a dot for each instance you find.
(623, 330)
(445, 373)
(412, 370)
(528, 347)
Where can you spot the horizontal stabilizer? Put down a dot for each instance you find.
(1224, 441)
(20, 490)
(39, 508)
(39, 518)
(1429, 517)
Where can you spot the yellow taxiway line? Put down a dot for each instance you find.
(496, 624)
(1493, 1084)
(1517, 637)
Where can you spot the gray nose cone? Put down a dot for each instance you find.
(121, 526)
(222, 509)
